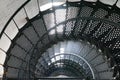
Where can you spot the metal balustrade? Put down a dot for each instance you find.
(95, 23)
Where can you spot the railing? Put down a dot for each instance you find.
(87, 19)
(11, 18)
(80, 59)
(42, 38)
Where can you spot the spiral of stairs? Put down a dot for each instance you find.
(77, 40)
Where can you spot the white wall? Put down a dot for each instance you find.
(7, 8)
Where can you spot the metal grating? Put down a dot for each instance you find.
(79, 20)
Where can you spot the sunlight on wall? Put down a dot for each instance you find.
(1, 71)
(49, 5)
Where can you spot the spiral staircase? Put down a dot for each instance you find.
(77, 40)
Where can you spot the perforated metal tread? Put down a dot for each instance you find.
(99, 25)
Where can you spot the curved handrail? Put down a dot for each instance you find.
(83, 18)
(18, 11)
(75, 54)
(13, 17)
(54, 26)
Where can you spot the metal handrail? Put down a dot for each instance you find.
(22, 6)
(13, 16)
(83, 18)
(75, 54)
